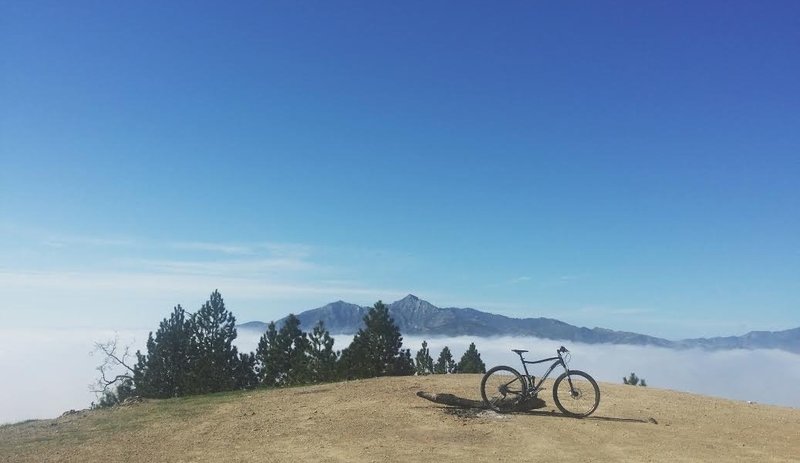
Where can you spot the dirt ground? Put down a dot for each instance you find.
(382, 419)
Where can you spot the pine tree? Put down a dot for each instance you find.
(214, 357)
(268, 357)
(352, 362)
(165, 371)
(423, 362)
(471, 361)
(294, 349)
(267, 354)
(358, 358)
(245, 371)
(445, 363)
(403, 365)
(322, 357)
(376, 348)
(283, 356)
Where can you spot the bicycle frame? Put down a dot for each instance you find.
(534, 388)
(503, 388)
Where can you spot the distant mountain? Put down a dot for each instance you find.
(788, 340)
(340, 318)
(415, 316)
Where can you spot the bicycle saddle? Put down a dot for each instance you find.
(519, 351)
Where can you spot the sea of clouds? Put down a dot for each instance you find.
(46, 372)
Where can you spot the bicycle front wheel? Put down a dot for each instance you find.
(502, 388)
(576, 394)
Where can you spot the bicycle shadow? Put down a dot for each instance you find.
(471, 408)
(470, 412)
(554, 414)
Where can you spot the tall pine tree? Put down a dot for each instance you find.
(376, 348)
(165, 371)
(322, 357)
(293, 348)
(283, 356)
(268, 357)
(214, 357)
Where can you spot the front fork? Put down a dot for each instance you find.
(569, 378)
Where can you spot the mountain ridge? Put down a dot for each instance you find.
(415, 316)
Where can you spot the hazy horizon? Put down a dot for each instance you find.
(52, 369)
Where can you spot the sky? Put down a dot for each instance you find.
(627, 165)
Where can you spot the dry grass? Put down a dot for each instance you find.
(383, 420)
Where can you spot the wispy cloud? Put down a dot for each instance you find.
(87, 241)
(240, 267)
(296, 250)
(510, 282)
(599, 311)
(274, 249)
(123, 283)
(223, 248)
(561, 280)
(77, 298)
(36, 236)
(56, 239)
(122, 280)
(546, 282)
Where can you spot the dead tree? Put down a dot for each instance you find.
(115, 358)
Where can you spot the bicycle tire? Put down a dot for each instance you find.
(503, 388)
(577, 402)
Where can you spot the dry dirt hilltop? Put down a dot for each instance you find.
(382, 419)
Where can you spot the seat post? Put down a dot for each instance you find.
(519, 352)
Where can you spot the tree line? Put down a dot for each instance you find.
(193, 353)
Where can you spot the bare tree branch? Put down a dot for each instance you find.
(114, 357)
(110, 348)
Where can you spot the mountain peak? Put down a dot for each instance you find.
(411, 301)
(412, 304)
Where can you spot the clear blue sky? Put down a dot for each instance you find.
(632, 165)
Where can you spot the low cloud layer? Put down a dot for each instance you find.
(46, 372)
(764, 376)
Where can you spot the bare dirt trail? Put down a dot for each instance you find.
(383, 420)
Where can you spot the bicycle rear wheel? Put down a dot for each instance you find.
(577, 396)
(502, 388)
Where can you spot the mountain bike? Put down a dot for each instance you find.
(574, 392)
